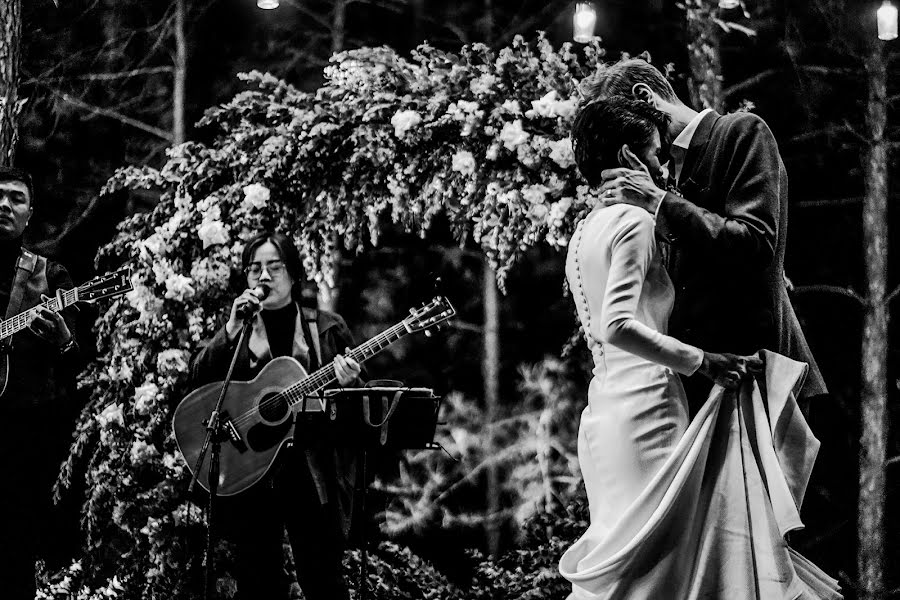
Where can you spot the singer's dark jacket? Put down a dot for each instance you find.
(333, 468)
(726, 232)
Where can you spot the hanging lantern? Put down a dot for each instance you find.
(267, 4)
(583, 22)
(729, 4)
(887, 21)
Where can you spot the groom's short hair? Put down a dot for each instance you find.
(619, 79)
(603, 126)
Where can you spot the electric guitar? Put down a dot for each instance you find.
(257, 416)
(98, 288)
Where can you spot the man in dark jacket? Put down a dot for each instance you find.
(311, 490)
(724, 230)
(37, 368)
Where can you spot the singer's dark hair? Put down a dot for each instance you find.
(286, 250)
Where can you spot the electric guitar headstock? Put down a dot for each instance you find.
(105, 286)
(429, 316)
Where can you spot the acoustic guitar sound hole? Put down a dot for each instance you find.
(273, 407)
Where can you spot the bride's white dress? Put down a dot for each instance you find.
(678, 510)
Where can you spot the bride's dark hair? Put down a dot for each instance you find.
(604, 126)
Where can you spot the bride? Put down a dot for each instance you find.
(678, 509)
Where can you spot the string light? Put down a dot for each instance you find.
(267, 4)
(583, 22)
(887, 21)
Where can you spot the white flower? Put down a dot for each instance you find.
(566, 108)
(145, 398)
(151, 246)
(207, 204)
(535, 194)
(173, 462)
(256, 195)
(558, 211)
(212, 233)
(468, 113)
(405, 120)
(141, 452)
(168, 229)
(178, 287)
(210, 271)
(111, 415)
(483, 85)
(171, 362)
(183, 203)
(538, 212)
(492, 152)
(544, 106)
(143, 300)
(512, 106)
(549, 106)
(513, 135)
(561, 153)
(464, 162)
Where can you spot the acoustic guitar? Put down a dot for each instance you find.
(257, 416)
(98, 288)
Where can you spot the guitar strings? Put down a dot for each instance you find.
(320, 378)
(20, 321)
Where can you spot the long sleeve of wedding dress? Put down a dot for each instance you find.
(630, 317)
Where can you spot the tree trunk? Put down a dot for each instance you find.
(180, 75)
(488, 22)
(490, 372)
(329, 292)
(704, 55)
(873, 415)
(418, 20)
(11, 21)
(338, 26)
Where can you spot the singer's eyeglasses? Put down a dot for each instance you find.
(275, 269)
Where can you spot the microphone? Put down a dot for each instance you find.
(261, 292)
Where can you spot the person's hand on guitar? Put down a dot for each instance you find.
(246, 304)
(346, 369)
(50, 326)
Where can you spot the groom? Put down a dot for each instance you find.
(727, 243)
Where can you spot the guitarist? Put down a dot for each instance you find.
(310, 492)
(43, 361)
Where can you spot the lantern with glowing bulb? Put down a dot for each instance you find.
(267, 4)
(583, 22)
(887, 21)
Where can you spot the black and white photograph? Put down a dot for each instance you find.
(449, 300)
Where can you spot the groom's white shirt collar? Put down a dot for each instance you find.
(683, 141)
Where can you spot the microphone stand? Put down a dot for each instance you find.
(213, 444)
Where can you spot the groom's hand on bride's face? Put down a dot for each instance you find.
(631, 185)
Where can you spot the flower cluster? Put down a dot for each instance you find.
(480, 136)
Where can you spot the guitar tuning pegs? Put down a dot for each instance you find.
(428, 333)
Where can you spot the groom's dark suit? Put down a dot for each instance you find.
(727, 243)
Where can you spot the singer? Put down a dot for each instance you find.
(310, 491)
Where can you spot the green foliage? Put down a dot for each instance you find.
(531, 571)
(532, 446)
(481, 137)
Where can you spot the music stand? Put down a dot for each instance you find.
(389, 417)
